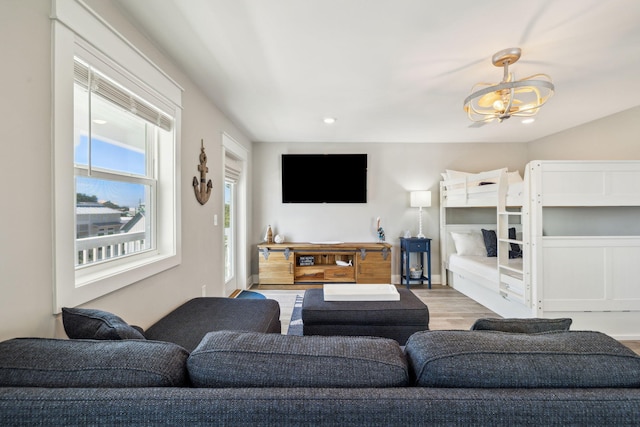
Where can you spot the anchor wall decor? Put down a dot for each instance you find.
(202, 188)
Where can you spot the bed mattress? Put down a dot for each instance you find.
(483, 266)
(514, 192)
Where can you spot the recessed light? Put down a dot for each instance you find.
(529, 120)
(99, 121)
(329, 120)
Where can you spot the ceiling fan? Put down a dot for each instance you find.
(489, 102)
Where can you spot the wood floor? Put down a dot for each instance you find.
(448, 308)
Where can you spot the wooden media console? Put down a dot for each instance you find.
(299, 263)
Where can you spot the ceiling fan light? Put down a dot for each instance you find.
(510, 97)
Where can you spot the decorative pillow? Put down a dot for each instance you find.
(523, 326)
(491, 243)
(468, 244)
(253, 359)
(496, 359)
(516, 250)
(452, 174)
(45, 362)
(86, 323)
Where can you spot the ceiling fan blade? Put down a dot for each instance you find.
(477, 124)
(487, 100)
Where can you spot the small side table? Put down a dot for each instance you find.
(421, 247)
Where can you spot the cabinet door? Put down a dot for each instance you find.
(276, 269)
(374, 268)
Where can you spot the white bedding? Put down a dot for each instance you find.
(463, 189)
(514, 190)
(483, 266)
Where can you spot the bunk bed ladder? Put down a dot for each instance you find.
(512, 281)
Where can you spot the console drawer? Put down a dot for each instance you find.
(309, 274)
(340, 274)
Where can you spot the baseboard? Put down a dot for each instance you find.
(436, 279)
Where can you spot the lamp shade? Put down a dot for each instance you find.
(420, 199)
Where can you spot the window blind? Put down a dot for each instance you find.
(232, 168)
(112, 92)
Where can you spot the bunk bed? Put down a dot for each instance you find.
(577, 226)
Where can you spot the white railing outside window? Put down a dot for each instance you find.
(102, 248)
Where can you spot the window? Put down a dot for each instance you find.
(116, 135)
(116, 123)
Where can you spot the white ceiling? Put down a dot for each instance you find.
(396, 70)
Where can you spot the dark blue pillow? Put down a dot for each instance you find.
(516, 250)
(491, 243)
(87, 323)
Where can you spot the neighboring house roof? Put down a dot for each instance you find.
(131, 224)
(89, 208)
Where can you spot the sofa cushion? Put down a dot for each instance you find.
(46, 362)
(523, 326)
(499, 359)
(249, 359)
(87, 323)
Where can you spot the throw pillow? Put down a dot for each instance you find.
(490, 242)
(468, 244)
(516, 250)
(253, 359)
(523, 326)
(47, 362)
(86, 323)
(568, 359)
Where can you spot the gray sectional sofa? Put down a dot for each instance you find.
(540, 375)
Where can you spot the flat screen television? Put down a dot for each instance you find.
(324, 178)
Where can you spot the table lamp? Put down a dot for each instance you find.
(420, 199)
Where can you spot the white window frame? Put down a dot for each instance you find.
(78, 31)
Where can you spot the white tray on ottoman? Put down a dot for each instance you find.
(361, 292)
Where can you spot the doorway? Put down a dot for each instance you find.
(235, 216)
(230, 237)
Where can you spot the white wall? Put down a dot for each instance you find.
(26, 286)
(393, 171)
(616, 137)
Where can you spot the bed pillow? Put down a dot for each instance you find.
(516, 250)
(491, 243)
(522, 326)
(86, 323)
(452, 174)
(468, 244)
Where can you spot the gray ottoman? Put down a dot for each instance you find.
(397, 320)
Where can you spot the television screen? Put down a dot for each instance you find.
(324, 178)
